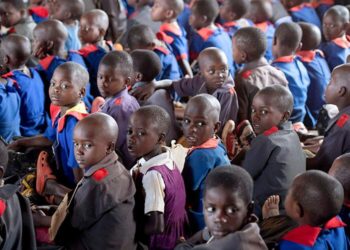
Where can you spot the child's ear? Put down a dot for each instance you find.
(300, 46)
(82, 92)
(299, 211)
(128, 81)
(111, 147)
(286, 116)
(7, 60)
(244, 56)
(49, 45)
(217, 126)
(138, 76)
(161, 139)
(204, 19)
(169, 13)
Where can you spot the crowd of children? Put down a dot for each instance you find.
(172, 124)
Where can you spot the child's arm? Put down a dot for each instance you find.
(185, 67)
(144, 92)
(35, 141)
(154, 223)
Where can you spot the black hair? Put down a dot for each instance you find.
(4, 158)
(280, 96)
(319, 195)
(311, 38)
(208, 8)
(147, 63)
(176, 5)
(211, 54)
(77, 72)
(18, 47)
(289, 35)
(119, 59)
(340, 11)
(18, 4)
(239, 7)
(54, 30)
(100, 17)
(76, 7)
(341, 171)
(232, 178)
(252, 41)
(209, 102)
(140, 37)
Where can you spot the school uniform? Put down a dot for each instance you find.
(320, 75)
(200, 160)
(321, 6)
(269, 31)
(183, 19)
(161, 188)
(232, 26)
(9, 111)
(305, 237)
(305, 13)
(345, 217)
(170, 68)
(273, 160)
(298, 83)
(60, 132)
(31, 92)
(121, 106)
(336, 51)
(336, 141)
(225, 94)
(102, 208)
(72, 42)
(38, 13)
(24, 27)
(249, 81)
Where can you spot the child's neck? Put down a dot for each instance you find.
(69, 22)
(60, 51)
(285, 53)
(171, 21)
(157, 151)
(63, 109)
(211, 26)
(23, 68)
(255, 63)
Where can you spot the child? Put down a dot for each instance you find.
(38, 10)
(337, 47)
(14, 17)
(302, 12)
(260, 12)
(113, 77)
(142, 37)
(204, 13)
(166, 11)
(92, 29)
(104, 199)
(16, 50)
(200, 126)
(313, 201)
(286, 43)
(316, 67)
(228, 209)
(161, 194)
(277, 146)
(249, 46)
(337, 140)
(66, 91)
(146, 67)
(69, 13)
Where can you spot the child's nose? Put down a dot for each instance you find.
(220, 217)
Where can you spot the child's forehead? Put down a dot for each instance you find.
(212, 60)
(230, 196)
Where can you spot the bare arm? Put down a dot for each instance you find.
(185, 67)
(35, 141)
(144, 92)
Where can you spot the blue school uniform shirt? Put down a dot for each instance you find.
(9, 111)
(298, 83)
(72, 42)
(39, 13)
(170, 67)
(199, 162)
(232, 26)
(336, 51)
(31, 92)
(305, 13)
(60, 132)
(320, 75)
(305, 237)
(345, 217)
(205, 38)
(269, 31)
(183, 19)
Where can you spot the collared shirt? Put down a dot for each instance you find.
(305, 13)
(336, 51)
(170, 68)
(72, 42)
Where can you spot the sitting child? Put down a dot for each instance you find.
(317, 69)
(286, 43)
(275, 156)
(16, 50)
(337, 135)
(142, 37)
(66, 90)
(113, 77)
(166, 11)
(228, 213)
(92, 29)
(200, 125)
(337, 47)
(161, 197)
(204, 13)
(146, 67)
(249, 46)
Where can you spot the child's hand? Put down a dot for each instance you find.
(15, 146)
(143, 92)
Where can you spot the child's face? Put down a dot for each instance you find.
(265, 114)
(224, 212)
(333, 89)
(9, 15)
(215, 72)
(196, 21)
(332, 27)
(111, 81)
(57, 10)
(89, 146)
(62, 91)
(159, 10)
(225, 12)
(238, 55)
(143, 137)
(88, 30)
(291, 205)
(39, 45)
(276, 48)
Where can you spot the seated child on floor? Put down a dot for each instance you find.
(146, 67)
(200, 126)
(286, 43)
(142, 37)
(317, 69)
(275, 156)
(337, 135)
(249, 46)
(113, 78)
(228, 213)
(16, 51)
(67, 88)
(161, 197)
(92, 29)
(336, 47)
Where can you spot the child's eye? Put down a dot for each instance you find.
(64, 86)
(52, 84)
(264, 112)
(186, 121)
(210, 209)
(200, 124)
(87, 145)
(211, 72)
(75, 144)
(140, 133)
(129, 131)
(253, 111)
(230, 210)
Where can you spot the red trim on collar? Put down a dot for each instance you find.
(55, 112)
(40, 11)
(86, 50)
(246, 74)
(229, 24)
(205, 33)
(11, 75)
(335, 222)
(262, 26)
(271, 131)
(299, 7)
(171, 27)
(309, 55)
(2, 207)
(7, 75)
(11, 30)
(342, 42)
(304, 235)
(164, 37)
(100, 174)
(286, 59)
(211, 143)
(45, 63)
(342, 120)
(162, 49)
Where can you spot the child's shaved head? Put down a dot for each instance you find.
(140, 37)
(211, 54)
(147, 63)
(17, 47)
(311, 38)
(280, 96)
(77, 73)
(341, 171)
(98, 17)
(340, 12)
(51, 30)
(209, 103)
(208, 8)
(176, 5)
(18, 4)
(252, 41)
(119, 59)
(289, 35)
